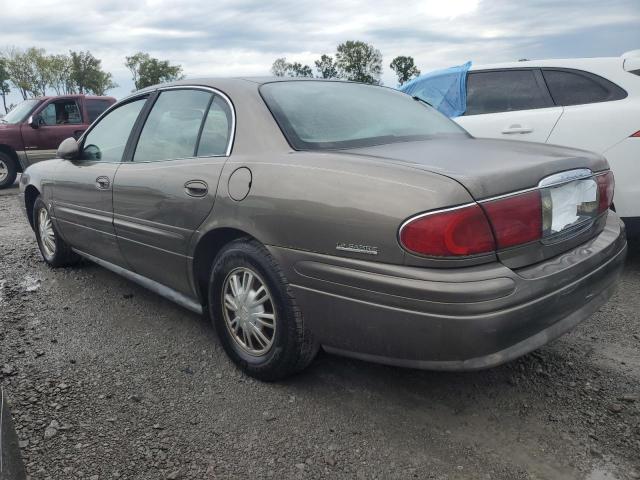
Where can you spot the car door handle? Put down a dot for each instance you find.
(196, 188)
(103, 183)
(516, 128)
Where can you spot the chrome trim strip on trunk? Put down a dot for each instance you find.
(162, 290)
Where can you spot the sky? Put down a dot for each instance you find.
(244, 37)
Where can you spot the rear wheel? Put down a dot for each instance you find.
(53, 248)
(253, 309)
(8, 170)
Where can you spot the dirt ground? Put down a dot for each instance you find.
(108, 381)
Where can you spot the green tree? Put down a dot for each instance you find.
(280, 67)
(326, 67)
(359, 62)
(4, 82)
(405, 68)
(86, 74)
(147, 71)
(60, 74)
(296, 69)
(21, 70)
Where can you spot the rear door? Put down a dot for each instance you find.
(594, 115)
(512, 104)
(168, 185)
(56, 120)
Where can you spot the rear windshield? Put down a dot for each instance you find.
(316, 115)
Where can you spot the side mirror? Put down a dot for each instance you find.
(68, 149)
(34, 121)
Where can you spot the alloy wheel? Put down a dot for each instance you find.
(4, 171)
(47, 235)
(249, 311)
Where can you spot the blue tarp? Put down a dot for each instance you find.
(445, 90)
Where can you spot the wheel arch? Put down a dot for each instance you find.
(30, 195)
(13, 154)
(206, 251)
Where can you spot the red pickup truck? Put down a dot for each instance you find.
(33, 130)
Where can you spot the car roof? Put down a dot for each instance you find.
(596, 62)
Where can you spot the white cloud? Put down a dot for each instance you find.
(243, 37)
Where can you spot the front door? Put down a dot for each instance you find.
(168, 187)
(82, 194)
(509, 104)
(55, 121)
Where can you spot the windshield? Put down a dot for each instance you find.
(317, 115)
(21, 111)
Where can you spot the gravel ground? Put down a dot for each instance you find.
(111, 381)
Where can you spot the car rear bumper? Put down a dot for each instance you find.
(452, 319)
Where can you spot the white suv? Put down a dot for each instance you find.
(587, 103)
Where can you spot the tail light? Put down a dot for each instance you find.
(606, 185)
(563, 203)
(516, 219)
(446, 233)
(637, 134)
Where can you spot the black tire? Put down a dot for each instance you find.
(293, 347)
(7, 179)
(61, 254)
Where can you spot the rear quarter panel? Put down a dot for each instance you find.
(314, 201)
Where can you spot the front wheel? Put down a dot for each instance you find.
(253, 309)
(53, 248)
(8, 170)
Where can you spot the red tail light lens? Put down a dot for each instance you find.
(637, 134)
(461, 231)
(606, 185)
(516, 219)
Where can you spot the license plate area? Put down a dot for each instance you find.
(568, 208)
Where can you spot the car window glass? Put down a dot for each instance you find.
(63, 112)
(321, 115)
(216, 130)
(504, 91)
(95, 108)
(573, 88)
(108, 139)
(171, 130)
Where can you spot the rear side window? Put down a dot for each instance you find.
(95, 108)
(217, 129)
(172, 128)
(572, 87)
(505, 91)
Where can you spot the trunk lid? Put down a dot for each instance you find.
(486, 167)
(490, 168)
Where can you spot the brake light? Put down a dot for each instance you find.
(447, 233)
(606, 186)
(516, 219)
(637, 134)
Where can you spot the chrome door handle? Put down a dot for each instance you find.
(103, 183)
(516, 128)
(196, 188)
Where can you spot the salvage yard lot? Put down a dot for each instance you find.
(108, 380)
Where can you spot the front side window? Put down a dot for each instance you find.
(20, 112)
(172, 128)
(576, 88)
(108, 139)
(321, 115)
(61, 112)
(504, 91)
